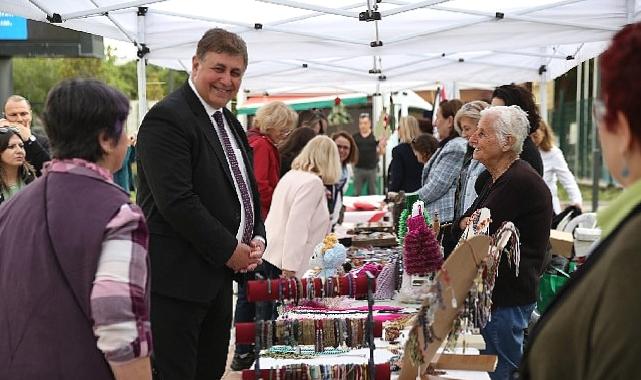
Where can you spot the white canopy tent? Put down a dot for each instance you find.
(367, 46)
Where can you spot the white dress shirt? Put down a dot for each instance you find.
(239, 158)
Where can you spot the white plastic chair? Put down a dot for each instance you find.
(585, 220)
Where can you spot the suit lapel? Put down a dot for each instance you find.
(206, 126)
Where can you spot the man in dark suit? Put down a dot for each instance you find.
(197, 190)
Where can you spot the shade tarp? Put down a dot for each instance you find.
(305, 44)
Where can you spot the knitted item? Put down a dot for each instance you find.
(386, 282)
(402, 223)
(422, 252)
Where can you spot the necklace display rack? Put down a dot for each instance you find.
(298, 289)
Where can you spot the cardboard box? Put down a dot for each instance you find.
(562, 243)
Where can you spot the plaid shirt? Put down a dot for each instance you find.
(439, 179)
(118, 297)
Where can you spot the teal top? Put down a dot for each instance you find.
(12, 190)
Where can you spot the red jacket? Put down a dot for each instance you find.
(266, 167)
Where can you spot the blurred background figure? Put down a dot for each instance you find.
(124, 177)
(292, 146)
(314, 119)
(556, 168)
(86, 274)
(348, 154)
(588, 324)
(272, 124)
(465, 123)
(424, 146)
(369, 149)
(438, 181)
(15, 171)
(405, 169)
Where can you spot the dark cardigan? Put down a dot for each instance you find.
(521, 197)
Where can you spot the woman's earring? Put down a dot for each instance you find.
(625, 172)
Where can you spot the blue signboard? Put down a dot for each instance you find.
(12, 27)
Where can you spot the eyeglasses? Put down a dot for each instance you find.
(9, 129)
(598, 110)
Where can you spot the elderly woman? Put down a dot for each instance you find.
(515, 193)
(299, 218)
(465, 122)
(348, 154)
(555, 168)
(438, 183)
(273, 122)
(405, 170)
(15, 171)
(589, 331)
(74, 284)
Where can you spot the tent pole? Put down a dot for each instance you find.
(596, 147)
(579, 78)
(543, 89)
(141, 66)
(630, 10)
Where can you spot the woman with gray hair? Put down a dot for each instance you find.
(518, 194)
(465, 123)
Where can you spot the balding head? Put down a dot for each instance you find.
(17, 109)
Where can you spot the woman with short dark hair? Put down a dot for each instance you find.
(75, 249)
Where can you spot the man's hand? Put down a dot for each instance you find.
(288, 273)
(242, 258)
(257, 249)
(23, 131)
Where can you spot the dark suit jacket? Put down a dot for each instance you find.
(405, 170)
(187, 193)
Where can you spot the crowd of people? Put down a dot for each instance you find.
(96, 283)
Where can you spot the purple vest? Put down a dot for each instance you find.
(45, 319)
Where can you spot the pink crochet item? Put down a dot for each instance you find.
(421, 252)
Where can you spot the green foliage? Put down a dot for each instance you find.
(34, 77)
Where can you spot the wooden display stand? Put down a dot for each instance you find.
(461, 266)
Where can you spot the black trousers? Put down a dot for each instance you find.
(191, 339)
